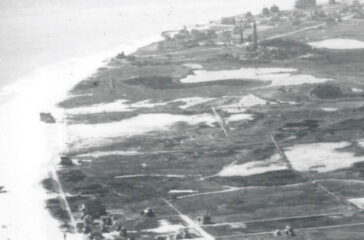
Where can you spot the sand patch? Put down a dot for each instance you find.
(329, 109)
(338, 44)
(239, 117)
(166, 227)
(251, 100)
(243, 103)
(321, 157)
(356, 90)
(193, 65)
(92, 134)
(121, 105)
(192, 101)
(359, 202)
(277, 76)
(255, 167)
(182, 191)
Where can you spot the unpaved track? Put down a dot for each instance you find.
(297, 31)
(63, 196)
(192, 224)
(278, 219)
(302, 229)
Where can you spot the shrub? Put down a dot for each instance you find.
(73, 176)
(327, 91)
(95, 208)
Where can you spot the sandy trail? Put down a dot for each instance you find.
(297, 31)
(192, 224)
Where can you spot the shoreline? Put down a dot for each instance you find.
(38, 141)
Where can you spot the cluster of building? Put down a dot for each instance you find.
(308, 10)
(287, 231)
(100, 228)
(243, 29)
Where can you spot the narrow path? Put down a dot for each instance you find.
(234, 189)
(151, 175)
(310, 228)
(192, 224)
(297, 31)
(231, 189)
(279, 219)
(313, 181)
(341, 180)
(63, 196)
(179, 52)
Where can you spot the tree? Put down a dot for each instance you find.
(211, 34)
(248, 15)
(266, 12)
(226, 35)
(239, 29)
(274, 9)
(94, 208)
(197, 35)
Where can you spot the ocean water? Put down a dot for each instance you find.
(38, 33)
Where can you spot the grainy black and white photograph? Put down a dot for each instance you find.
(181, 119)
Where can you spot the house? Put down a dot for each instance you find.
(204, 219)
(148, 212)
(288, 230)
(228, 20)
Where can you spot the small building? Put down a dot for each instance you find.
(305, 4)
(228, 20)
(148, 212)
(162, 237)
(182, 234)
(277, 233)
(204, 219)
(288, 231)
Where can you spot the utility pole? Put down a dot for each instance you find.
(255, 35)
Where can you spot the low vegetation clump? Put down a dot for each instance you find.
(327, 91)
(50, 184)
(95, 208)
(285, 49)
(57, 209)
(73, 176)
